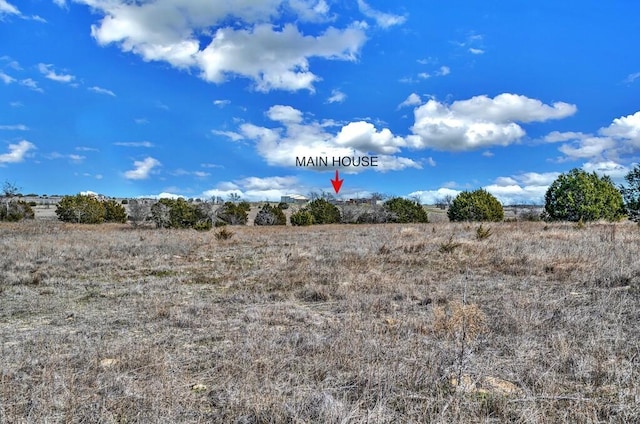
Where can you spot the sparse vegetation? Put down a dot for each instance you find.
(478, 205)
(234, 213)
(483, 233)
(270, 215)
(178, 213)
(579, 195)
(350, 323)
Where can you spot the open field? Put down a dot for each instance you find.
(538, 323)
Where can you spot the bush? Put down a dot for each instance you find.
(578, 195)
(301, 218)
(405, 210)
(270, 215)
(178, 213)
(114, 212)
(15, 210)
(138, 212)
(478, 205)
(234, 214)
(283, 206)
(323, 212)
(631, 194)
(80, 209)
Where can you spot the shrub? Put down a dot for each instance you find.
(125, 201)
(178, 213)
(283, 206)
(301, 218)
(270, 215)
(405, 210)
(578, 195)
(483, 233)
(81, 209)
(16, 210)
(631, 194)
(224, 234)
(114, 212)
(323, 212)
(234, 214)
(478, 205)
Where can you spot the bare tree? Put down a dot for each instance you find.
(139, 211)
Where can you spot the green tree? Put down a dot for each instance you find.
(80, 209)
(234, 214)
(631, 194)
(478, 205)
(301, 218)
(323, 212)
(581, 196)
(178, 213)
(405, 210)
(270, 215)
(114, 212)
(16, 210)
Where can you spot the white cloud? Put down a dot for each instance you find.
(384, 20)
(412, 100)
(444, 70)
(17, 152)
(480, 121)
(49, 73)
(475, 51)
(60, 3)
(221, 102)
(284, 114)
(337, 96)
(18, 127)
(7, 79)
(627, 127)
(101, 90)
(234, 136)
(615, 170)
(537, 179)
(632, 77)
(8, 8)
(424, 75)
(273, 57)
(587, 147)
(297, 138)
(134, 144)
(142, 169)
(431, 161)
(257, 188)
(431, 197)
(33, 85)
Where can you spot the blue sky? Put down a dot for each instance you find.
(205, 98)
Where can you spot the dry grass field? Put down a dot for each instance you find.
(537, 323)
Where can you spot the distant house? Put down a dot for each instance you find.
(294, 198)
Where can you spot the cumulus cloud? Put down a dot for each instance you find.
(257, 188)
(17, 152)
(101, 90)
(480, 122)
(431, 197)
(142, 169)
(384, 20)
(614, 170)
(412, 100)
(621, 137)
(49, 73)
(295, 137)
(273, 57)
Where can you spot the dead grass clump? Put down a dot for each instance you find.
(455, 318)
(223, 234)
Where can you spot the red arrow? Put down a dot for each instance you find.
(337, 183)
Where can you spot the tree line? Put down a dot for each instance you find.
(574, 196)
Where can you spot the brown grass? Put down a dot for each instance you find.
(320, 324)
